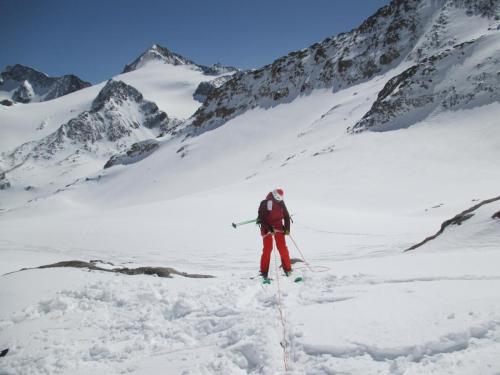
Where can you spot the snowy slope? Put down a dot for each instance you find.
(358, 201)
(169, 87)
(403, 32)
(374, 310)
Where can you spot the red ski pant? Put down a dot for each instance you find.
(267, 240)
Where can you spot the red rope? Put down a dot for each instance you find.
(280, 308)
(302, 255)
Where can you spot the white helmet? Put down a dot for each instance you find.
(278, 194)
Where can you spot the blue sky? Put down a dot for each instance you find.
(96, 38)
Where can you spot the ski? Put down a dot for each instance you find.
(296, 279)
(266, 280)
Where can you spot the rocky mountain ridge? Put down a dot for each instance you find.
(29, 85)
(402, 32)
(431, 85)
(117, 118)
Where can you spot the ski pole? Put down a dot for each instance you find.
(235, 225)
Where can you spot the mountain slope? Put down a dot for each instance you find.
(464, 76)
(403, 32)
(118, 117)
(358, 201)
(36, 126)
(118, 112)
(356, 208)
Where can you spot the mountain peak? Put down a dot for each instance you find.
(157, 53)
(22, 73)
(162, 54)
(116, 91)
(26, 84)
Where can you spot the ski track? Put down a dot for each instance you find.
(228, 327)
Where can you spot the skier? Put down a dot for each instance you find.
(272, 213)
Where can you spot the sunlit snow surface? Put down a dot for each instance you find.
(357, 202)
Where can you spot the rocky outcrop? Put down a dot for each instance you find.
(24, 93)
(217, 69)
(204, 89)
(164, 55)
(27, 84)
(446, 81)
(135, 153)
(20, 73)
(154, 271)
(112, 124)
(4, 183)
(6, 102)
(65, 85)
(456, 220)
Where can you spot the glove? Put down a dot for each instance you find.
(287, 232)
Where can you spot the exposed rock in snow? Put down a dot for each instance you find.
(4, 183)
(204, 89)
(457, 220)
(65, 85)
(461, 77)
(27, 84)
(156, 271)
(6, 102)
(217, 69)
(113, 123)
(162, 54)
(24, 93)
(137, 152)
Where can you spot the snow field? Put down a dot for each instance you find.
(374, 315)
(358, 202)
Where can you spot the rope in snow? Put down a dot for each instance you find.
(280, 308)
(316, 268)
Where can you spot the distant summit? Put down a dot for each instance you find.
(25, 84)
(162, 54)
(157, 53)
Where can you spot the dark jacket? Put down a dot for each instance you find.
(272, 213)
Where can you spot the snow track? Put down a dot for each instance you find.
(118, 321)
(353, 323)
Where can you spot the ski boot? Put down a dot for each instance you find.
(265, 278)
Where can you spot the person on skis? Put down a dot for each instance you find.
(272, 214)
